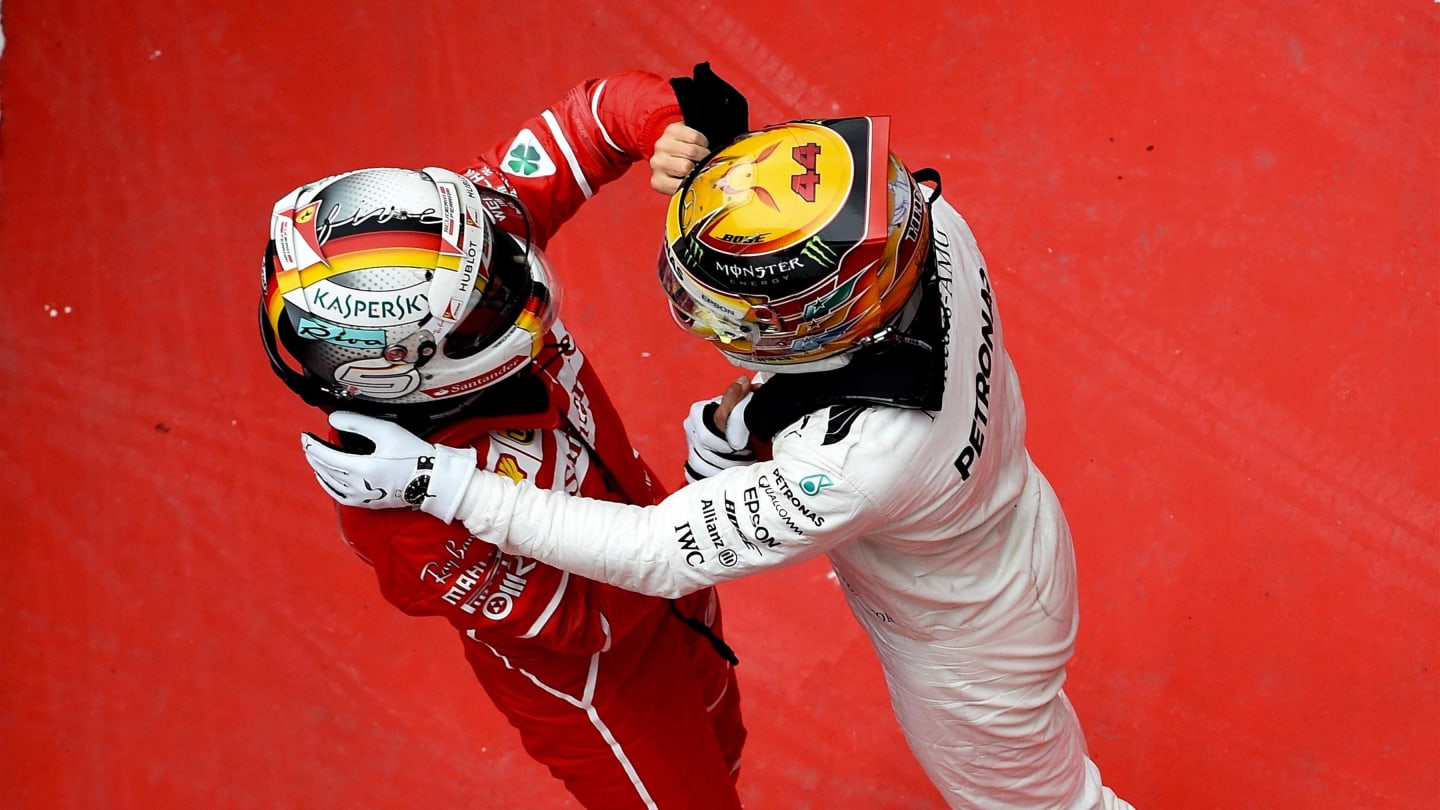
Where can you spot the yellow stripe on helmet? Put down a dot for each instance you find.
(419, 258)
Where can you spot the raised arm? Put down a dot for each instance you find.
(560, 158)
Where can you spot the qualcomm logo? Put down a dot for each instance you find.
(812, 484)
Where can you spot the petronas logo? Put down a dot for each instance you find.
(812, 484)
(527, 157)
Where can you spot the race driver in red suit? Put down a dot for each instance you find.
(424, 298)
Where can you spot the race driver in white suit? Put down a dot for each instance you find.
(890, 434)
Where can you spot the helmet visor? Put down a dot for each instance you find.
(738, 326)
(497, 305)
(708, 315)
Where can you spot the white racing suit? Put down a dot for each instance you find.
(951, 546)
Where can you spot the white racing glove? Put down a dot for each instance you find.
(710, 450)
(388, 466)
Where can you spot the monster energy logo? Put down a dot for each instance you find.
(817, 251)
(826, 305)
(690, 251)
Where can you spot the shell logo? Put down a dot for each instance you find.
(767, 192)
(510, 468)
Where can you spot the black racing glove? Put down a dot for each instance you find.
(711, 105)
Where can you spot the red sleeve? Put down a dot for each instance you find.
(558, 159)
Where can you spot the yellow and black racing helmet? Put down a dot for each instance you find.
(796, 244)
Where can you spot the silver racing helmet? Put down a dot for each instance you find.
(394, 292)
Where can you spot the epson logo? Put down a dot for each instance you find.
(758, 530)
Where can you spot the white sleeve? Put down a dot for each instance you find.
(741, 521)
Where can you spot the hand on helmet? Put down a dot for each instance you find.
(381, 465)
(711, 105)
(676, 154)
(716, 435)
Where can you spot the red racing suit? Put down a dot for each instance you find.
(611, 690)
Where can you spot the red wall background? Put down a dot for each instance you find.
(1212, 230)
